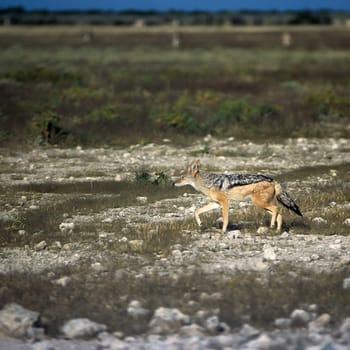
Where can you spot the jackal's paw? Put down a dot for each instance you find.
(199, 223)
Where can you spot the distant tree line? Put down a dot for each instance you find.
(19, 16)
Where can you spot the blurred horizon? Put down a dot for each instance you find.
(178, 5)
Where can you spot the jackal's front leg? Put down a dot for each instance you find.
(208, 207)
(225, 211)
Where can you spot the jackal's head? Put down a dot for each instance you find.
(190, 175)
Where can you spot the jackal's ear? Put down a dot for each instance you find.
(195, 166)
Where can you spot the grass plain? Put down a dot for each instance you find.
(112, 86)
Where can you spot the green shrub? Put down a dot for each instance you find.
(328, 106)
(159, 179)
(180, 115)
(115, 112)
(40, 121)
(42, 74)
(240, 114)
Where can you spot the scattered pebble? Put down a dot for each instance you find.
(269, 253)
(346, 283)
(142, 199)
(299, 318)
(262, 230)
(319, 220)
(82, 328)
(40, 246)
(136, 310)
(67, 227)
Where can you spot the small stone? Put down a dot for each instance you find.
(213, 325)
(345, 330)
(282, 323)
(135, 309)
(319, 323)
(319, 220)
(315, 257)
(142, 199)
(346, 283)
(16, 321)
(136, 244)
(269, 253)
(66, 227)
(67, 246)
(165, 321)
(248, 332)
(192, 330)
(63, 281)
(299, 318)
(261, 343)
(262, 230)
(107, 220)
(285, 234)
(82, 328)
(235, 234)
(97, 266)
(22, 200)
(56, 245)
(347, 222)
(40, 246)
(22, 232)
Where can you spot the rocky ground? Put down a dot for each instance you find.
(62, 209)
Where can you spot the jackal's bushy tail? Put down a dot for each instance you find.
(285, 199)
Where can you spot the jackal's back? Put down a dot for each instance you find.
(227, 181)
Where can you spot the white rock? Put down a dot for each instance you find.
(118, 178)
(346, 283)
(234, 234)
(135, 309)
(40, 246)
(248, 332)
(97, 266)
(319, 323)
(269, 252)
(262, 230)
(213, 325)
(345, 331)
(282, 323)
(16, 321)
(167, 320)
(136, 244)
(107, 220)
(347, 221)
(299, 318)
(82, 328)
(63, 281)
(261, 343)
(66, 226)
(192, 330)
(319, 220)
(142, 199)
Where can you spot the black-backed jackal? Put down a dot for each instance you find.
(264, 192)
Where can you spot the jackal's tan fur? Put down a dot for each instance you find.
(220, 188)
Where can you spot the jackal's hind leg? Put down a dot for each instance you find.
(273, 210)
(275, 216)
(208, 207)
(279, 222)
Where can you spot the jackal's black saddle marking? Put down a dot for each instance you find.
(228, 181)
